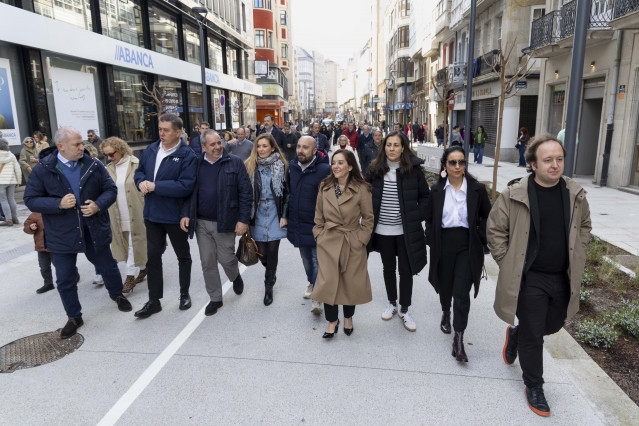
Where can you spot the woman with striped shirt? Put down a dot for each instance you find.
(400, 195)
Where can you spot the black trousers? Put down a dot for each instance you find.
(270, 253)
(331, 312)
(392, 249)
(455, 280)
(156, 245)
(45, 259)
(541, 309)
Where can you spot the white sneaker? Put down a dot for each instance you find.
(409, 324)
(316, 307)
(97, 280)
(308, 292)
(389, 312)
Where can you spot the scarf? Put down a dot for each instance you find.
(276, 166)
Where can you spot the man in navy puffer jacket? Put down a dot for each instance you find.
(166, 177)
(306, 172)
(73, 192)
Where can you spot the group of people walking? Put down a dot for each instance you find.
(335, 212)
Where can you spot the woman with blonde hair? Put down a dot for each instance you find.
(28, 157)
(343, 143)
(228, 137)
(127, 223)
(40, 140)
(267, 168)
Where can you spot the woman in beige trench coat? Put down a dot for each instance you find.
(127, 223)
(343, 225)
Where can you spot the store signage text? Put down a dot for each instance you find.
(131, 56)
(212, 77)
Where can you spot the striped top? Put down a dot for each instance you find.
(390, 218)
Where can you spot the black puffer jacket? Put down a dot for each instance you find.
(413, 194)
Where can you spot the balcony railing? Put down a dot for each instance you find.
(481, 64)
(624, 7)
(545, 30)
(418, 85)
(600, 16)
(453, 74)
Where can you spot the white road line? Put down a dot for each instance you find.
(157, 365)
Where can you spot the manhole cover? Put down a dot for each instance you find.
(36, 350)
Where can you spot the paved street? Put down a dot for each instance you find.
(253, 364)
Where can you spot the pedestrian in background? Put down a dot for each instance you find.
(28, 157)
(364, 139)
(343, 144)
(306, 172)
(216, 212)
(415, 130)
(400, 198)
(95, 141)
(439, 135)
(538, 233)
(320, 139)
(522, 143)
(479, 142)
(73, 192)
(269, 127)
(369, 152)
(194, 143)
(352, 135)
(10, 178)
(343, 226)
(127, 220)
(166, 177)
(241, 147)
(456, 233)
(267, 170)
(34, 226)
(41, 141)
(290, 142)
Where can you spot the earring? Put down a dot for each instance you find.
(443, 174)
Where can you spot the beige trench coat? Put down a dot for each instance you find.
(507, 233)
(342, 230)
(135, 201)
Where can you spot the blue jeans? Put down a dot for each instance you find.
(66, 274)
(522, 160)
(440, 142)
(309, 259)
(479, 153)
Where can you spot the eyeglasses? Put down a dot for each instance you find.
(453, 163)
(110, 154)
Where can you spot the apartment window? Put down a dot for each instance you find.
(284, 50)
(403, 36)
(74, 12)
(243, 17)
(122, 21)
(404, 7)
(164, 36)
(283, 18)
(270, 40)
(231, 61)
(498, 30)
(215, 55)
(259, 38)
(262, 4)
(192, 41)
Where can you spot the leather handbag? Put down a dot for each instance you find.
(247, 253)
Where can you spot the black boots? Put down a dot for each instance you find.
(458, 347)
(444, 326)
(269, 282)
(510, 347)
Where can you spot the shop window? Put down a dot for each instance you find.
(122, 20)
(132, 112)
(235, 110)
(74, 12)
(219, 108)
(172, 96)
(556, 110)
(164, 36)
(192, 42)
(40, 93)
(215, 55)
(196, 114)
(13, 109)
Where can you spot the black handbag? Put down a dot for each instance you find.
(247, 253)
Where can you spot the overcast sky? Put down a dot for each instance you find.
(336, 28)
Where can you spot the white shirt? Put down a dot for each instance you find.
(455, 208)
(161, 155)
(120, 181)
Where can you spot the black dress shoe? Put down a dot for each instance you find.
(71, 327)
(537, 401)
(444, 326)
(328, 335)
(123, 303)
(238, 285)
(45, 288)
(185, 301)
(510, 347)
(151, 307)
(212, 308)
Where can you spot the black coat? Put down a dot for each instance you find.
(413, 195)
(290, 139)
(478, 209)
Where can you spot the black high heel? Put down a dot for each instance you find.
(328, 335)
(348, 331)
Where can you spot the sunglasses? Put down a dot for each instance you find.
(453, 163)
(110, 154)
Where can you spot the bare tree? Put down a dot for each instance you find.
(509, 74)
(156, 97)
(442, 88)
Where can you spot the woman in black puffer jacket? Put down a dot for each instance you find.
(400, 195)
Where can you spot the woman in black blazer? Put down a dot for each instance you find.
(456, 233)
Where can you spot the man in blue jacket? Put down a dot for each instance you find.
(321, 143)
(195, 144)
(305, 174)
(166, 177)
(218, 210)
(73, 192)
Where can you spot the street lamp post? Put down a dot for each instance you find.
(406, 60)
(387, 81)
(201, 13)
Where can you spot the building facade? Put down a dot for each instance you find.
(92, 64)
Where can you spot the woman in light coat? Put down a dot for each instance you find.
(28, 157)
(344, 143)
(127, 223)
(10, 177)
(40, 140)
(343, 226)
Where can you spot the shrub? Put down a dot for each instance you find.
(585, 294)
(588, 278)
(627, 317)
(597, 250)
(597, 333)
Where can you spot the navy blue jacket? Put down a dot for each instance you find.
(277, 134)
(362, 141)
(173, 184)
(304, 187)
(234, 195)
(322, 142)
(195, 144)
(64, 228)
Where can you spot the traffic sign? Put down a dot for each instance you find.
(451, 102)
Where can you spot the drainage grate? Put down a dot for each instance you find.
(36, 350)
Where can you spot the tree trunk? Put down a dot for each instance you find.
(500, 117)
